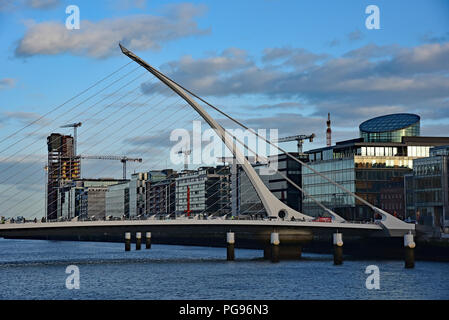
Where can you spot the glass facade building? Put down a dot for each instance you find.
(161, 192)
(362, 169)
(248, 202)
(427, 192)
(372, 166)
(390, 128)
(204, 191)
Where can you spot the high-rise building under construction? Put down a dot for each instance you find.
(63, 168)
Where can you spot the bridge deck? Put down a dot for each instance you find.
(252, 234)
(193, 222)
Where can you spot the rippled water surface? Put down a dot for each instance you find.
(31, 269)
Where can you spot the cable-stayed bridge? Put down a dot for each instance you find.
(283, 225)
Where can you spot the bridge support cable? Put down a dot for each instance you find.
(95, 134)
(71, 109)
(33, 143)
(389, 222)
(28, 176)
(274, 206)
(177, 120)
(392, 225)
(148, 130)
(63, 104)
(64, 144)
(334, 216)
(233, 149)
(130, 132)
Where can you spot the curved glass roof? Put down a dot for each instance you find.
(390, 122)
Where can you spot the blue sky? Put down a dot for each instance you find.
(271, 63)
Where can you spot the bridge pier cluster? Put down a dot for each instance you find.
(275, 252)
(138, 240)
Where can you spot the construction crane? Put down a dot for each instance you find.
(299, 138)
(186, 160)
(75, 127)
(123, 159)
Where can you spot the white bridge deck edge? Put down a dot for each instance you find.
(189, 222)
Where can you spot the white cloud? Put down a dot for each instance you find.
(100, 39)
(371, 79)
(13, 5)
(26, 118)
(7, 83)
(43, 4)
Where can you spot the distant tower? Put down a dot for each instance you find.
(63, 167)
(328, 131)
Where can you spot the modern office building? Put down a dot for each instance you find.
(390, 128)
(427, 191)
(367, 166)
(161, 192)
(204, 191)
(85, 198)
(248, 202)
(117, 201)
(62, 169)
(137, 194)
(392, 197)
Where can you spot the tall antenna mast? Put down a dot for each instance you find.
(328, 131)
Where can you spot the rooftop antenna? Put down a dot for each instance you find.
(328, 131)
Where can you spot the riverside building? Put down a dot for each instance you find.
(204, 191)
(245, 199)
(427, 191)
(161, 192)
(366, 166)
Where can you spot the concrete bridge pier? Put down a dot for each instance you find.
(230, 240)
(409, 245)
(274, 240)
(138, 240)
(338, 248)
(127, 241)
(148, 240)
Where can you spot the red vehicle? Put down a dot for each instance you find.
(322, 219)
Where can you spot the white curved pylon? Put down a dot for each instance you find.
(273, 206)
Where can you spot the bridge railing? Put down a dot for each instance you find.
(184, 217)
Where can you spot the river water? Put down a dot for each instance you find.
(36, 269)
